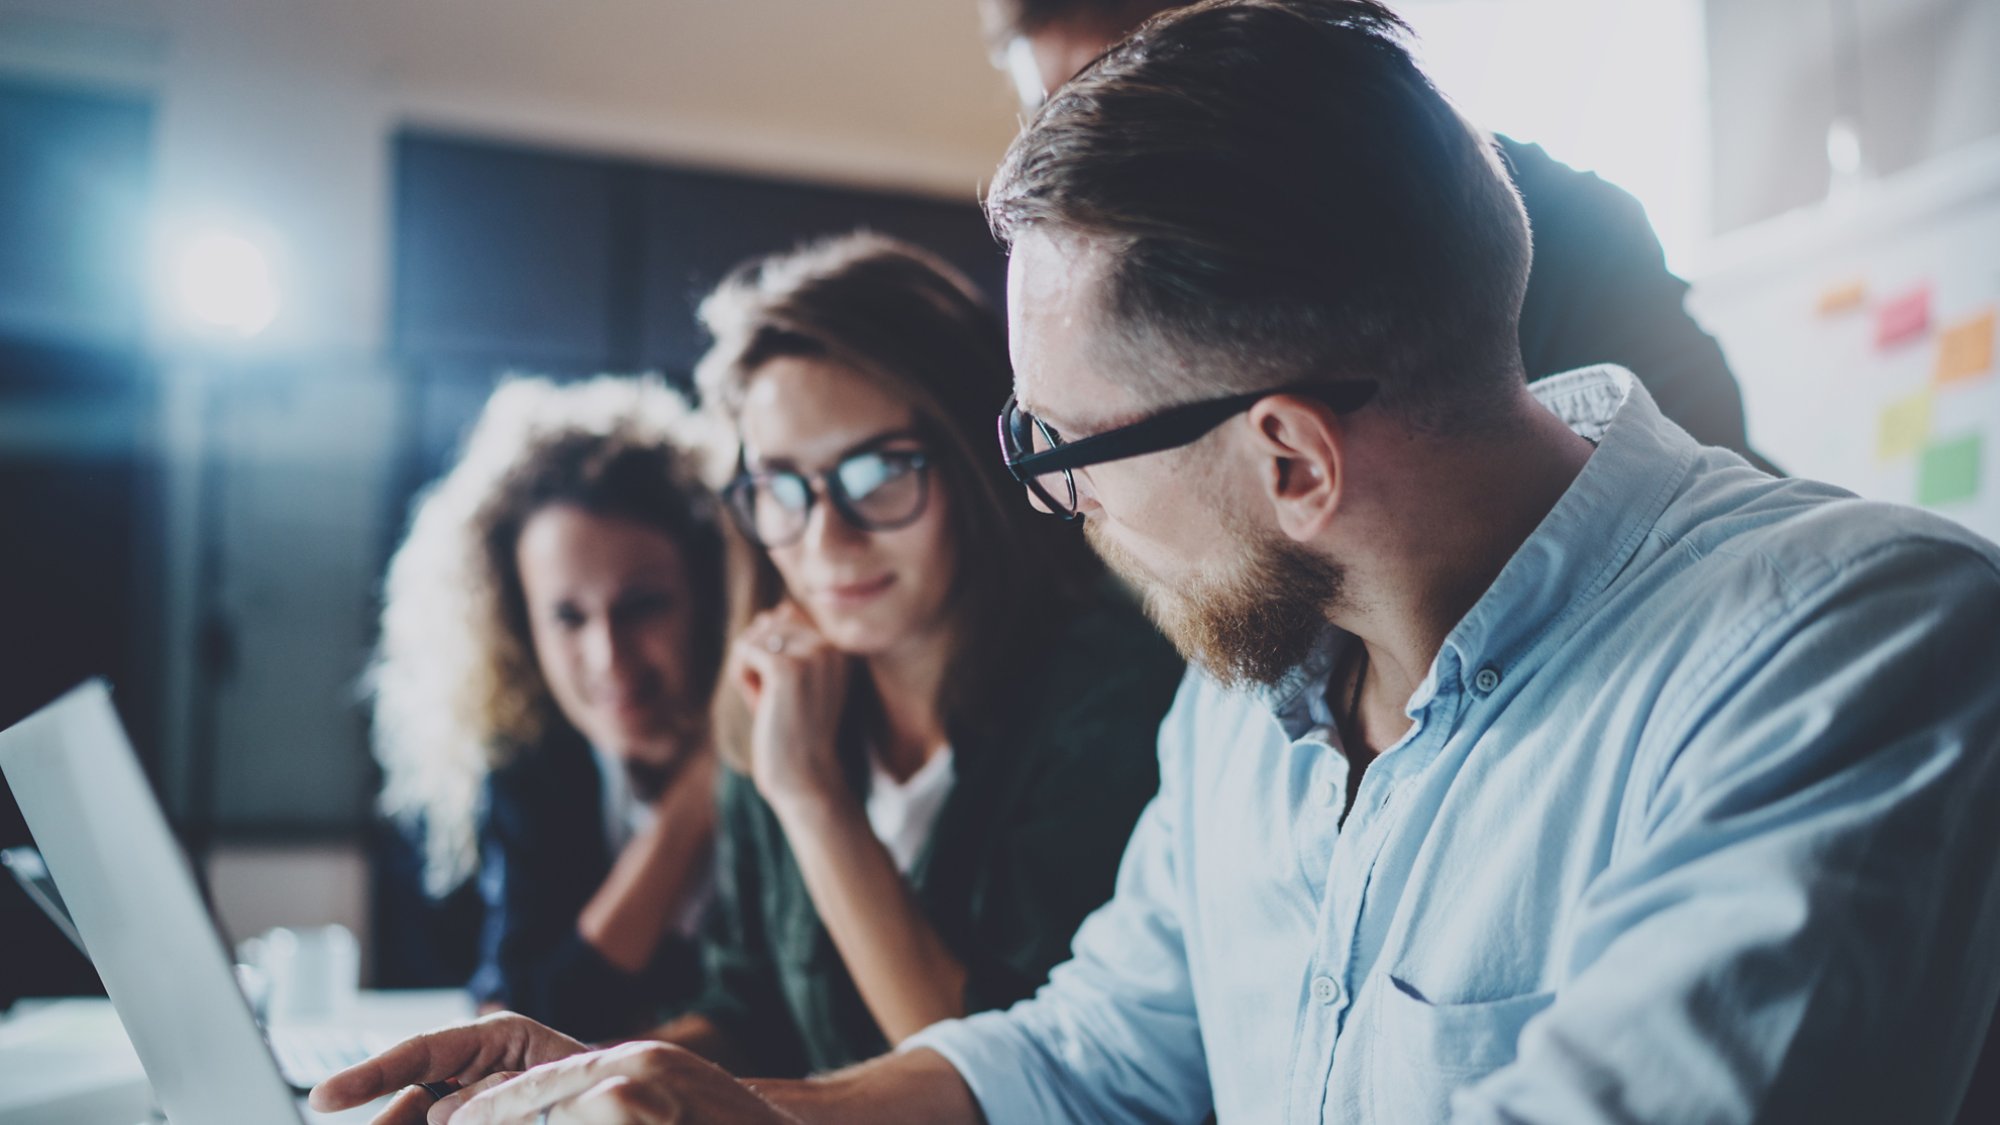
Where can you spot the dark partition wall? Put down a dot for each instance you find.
(514, 257)
(699, 225)
(510, 255)
(77, 517)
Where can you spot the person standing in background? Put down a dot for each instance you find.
(1598, 291)
(551, 632)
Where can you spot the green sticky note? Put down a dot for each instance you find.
(1949, 471)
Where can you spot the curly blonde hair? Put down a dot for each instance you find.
(456, 688)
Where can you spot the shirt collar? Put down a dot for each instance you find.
(1591, 533)
(1298, 699)
(1580, 546)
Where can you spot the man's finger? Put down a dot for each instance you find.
(416, 1059)
(526, 1096)
(406, 1108)
(619, 1100)
(430, 1057)
(442, 1110)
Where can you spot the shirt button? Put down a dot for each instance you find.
(1329, 792)
(1326, 990)
(1486, 681)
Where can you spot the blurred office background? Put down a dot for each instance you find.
(261, 261)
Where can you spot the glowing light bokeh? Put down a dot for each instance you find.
(223, 281)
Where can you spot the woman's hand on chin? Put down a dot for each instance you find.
(795, 683)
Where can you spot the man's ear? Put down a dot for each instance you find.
(1301, 446)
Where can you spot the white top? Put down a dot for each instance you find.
(625, 816)
(903, 813)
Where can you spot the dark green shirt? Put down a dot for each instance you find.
(1027, 844)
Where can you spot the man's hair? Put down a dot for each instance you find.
(1282, 196)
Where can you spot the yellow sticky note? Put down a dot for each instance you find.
(1842, 297)
(1965, 350)
(1903, 427)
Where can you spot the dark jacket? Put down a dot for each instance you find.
(1599, 292)
(1027, 844)
(542, 855)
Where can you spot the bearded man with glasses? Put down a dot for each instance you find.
(1541, 764)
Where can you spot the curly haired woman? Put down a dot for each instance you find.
(551, 635)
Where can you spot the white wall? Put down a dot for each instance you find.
(1616, 89)
(1920, 77)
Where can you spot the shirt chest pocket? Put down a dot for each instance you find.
(1423, 1051)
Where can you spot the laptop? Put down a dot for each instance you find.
(128, 896)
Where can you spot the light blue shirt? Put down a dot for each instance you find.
(1697, 822)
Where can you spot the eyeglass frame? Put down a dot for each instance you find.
(1171, 428)
(825, 482)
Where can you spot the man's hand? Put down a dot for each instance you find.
(634, 1084)
(479, 1054)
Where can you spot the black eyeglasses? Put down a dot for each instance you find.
(872, 489)
(1045, 464)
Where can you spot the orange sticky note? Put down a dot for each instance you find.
(1845, 297)
(1965, 350)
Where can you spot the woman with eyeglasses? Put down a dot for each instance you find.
(941, 715)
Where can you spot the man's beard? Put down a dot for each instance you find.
(1251, 624)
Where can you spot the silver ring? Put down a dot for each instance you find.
(775, 643)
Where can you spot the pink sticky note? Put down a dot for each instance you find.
(1903, 318)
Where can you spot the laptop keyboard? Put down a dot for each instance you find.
(308, 1054)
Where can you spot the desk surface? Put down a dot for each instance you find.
(68, 1062)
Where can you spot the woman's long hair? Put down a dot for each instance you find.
(456, 688)
(913, 326)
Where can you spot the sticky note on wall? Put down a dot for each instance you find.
(1904, 318)
(1949, 471)
(1965, 350)
(1842, 297)
(1903, 426)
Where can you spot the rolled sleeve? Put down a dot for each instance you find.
(1113, 1036)
(994, 1055)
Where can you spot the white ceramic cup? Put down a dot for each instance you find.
(312, 973)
